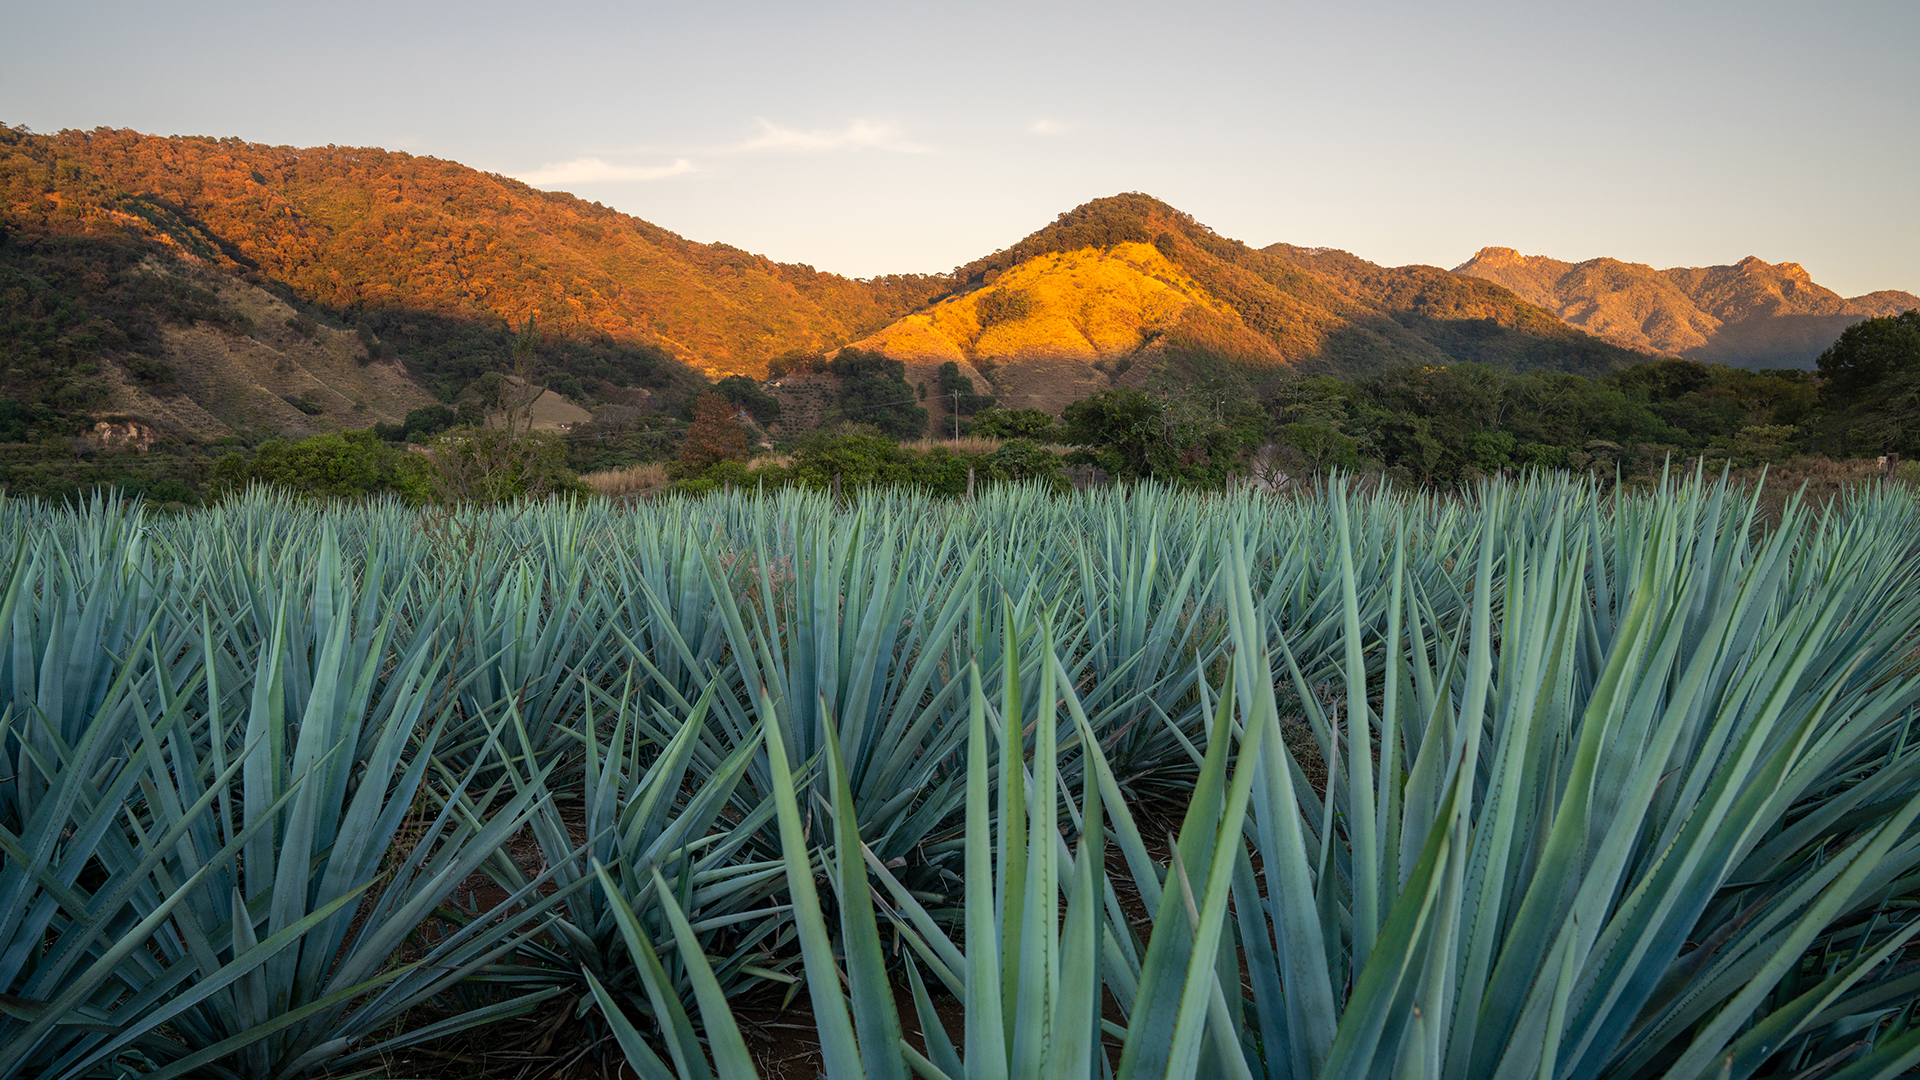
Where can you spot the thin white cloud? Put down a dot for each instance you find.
(772, 139)
(858, 135)
(593, 170)
(1044, 126)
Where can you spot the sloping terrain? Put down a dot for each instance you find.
(1750, 314)
(273, 380)
(1063, 325)
(355, 228)
(216, 286)
(1125, 287)
(94, 329)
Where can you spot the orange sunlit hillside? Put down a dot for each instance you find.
(1128, 280)
(367, 228)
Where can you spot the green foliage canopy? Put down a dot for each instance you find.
(874, 390)
(1036, 425)
(349, 464)
(1868, 354)
(424, 422)
(1871, 390)
(746, 393)
(1133, 435)
(957, 390)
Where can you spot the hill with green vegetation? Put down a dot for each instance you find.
(1127, 290)
(353, 229)
(1751, 314)
(192, 290)
(205, 288)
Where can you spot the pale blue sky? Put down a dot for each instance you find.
(866, 138)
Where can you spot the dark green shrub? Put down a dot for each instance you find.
(1037, 425)
(997, 306)
(348, 464)
(1133, 435)
(746, 394)
(874, 391)
(1023, 459)
(957, 391)
(1320, 446)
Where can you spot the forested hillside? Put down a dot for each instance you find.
(358, 229)
(1127, 290)
(206, 288)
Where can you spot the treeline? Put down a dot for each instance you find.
(1431, 425)
(1448, 425)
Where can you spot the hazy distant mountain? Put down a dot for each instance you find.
(1751, 314)
(1127, 286)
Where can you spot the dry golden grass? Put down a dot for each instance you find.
(974, 444)
(652, 476)
(966, 444)
(1080, 305)
(632, 480)
(1819, 481)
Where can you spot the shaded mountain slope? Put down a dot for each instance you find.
(94, 330)
(110, 327)
(1750, 314)
(353, 228)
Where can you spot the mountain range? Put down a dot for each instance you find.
(216, 286)
(1749, 314)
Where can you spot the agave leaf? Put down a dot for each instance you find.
(682, 1042)
(932, 1031)
(837, 1045)
(639, 1055)
(986, 1038)
(876, 1021)
(729, 1050)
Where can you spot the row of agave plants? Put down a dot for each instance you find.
(1536, 783)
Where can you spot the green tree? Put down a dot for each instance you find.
(1871, 387)
(424, 422)
(495, 464)
(746, 393)
(1036, 425)
(1867, 355)
(874, 390)
(1134, 435)
(856, 457)
(348, 464)
(795, 362)
(957, 391)
(1025, 460)
(1319, 446)
(1761, 444)
(998, 306)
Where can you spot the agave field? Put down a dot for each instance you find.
(1540, 782)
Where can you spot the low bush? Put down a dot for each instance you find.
(348, 464)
